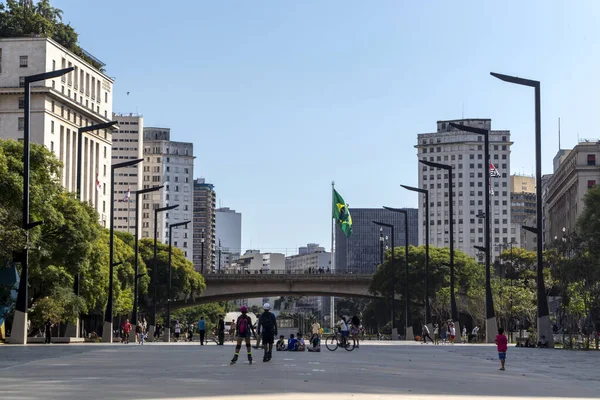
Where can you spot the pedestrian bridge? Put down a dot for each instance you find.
(230, 286)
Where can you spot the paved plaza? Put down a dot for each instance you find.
(378, 370)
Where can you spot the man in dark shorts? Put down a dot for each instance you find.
(268, 325)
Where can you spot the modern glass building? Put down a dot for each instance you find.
(361, 252)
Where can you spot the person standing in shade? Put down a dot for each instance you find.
(177, 330)
(202, 330)
(268, 324)
(221, 330)
(48, 331)
(232, 330)
(436, 334)
(138, 331)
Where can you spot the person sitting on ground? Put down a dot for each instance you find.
(281, 344)
(301, 343)
(316, 344)
(292, 343)
(543, 342)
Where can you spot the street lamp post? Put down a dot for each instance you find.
(491, 325)
(427, 305)
(134, 314)
(453, 308)
(107, 331)
(544, 328)
(383, 224)
(409, 333)
(80, 131)
(19, 327)
(381, 240)
(155, 268)
(170, 293)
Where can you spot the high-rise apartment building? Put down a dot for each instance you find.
(361, 252)
(58, 108)
(204, 225)
(464, 152)
(171, 164)
(128, 144)
(575, 172)
(229, 233)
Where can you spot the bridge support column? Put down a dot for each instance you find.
(167, 335)
(151, 333)
(410, 335)
(395, 334)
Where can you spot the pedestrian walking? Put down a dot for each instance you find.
(444, 334)
(126, 329)
(436, 334)
(502, 343)
(177, 330)
(202, 330)
(48, 331)
(464, 334)
(354, 329)
(221, 330)
(191, 332)
(452, 332)
(157, 331)
(267, 324)
(426, 334)
(138, 331)
(232, 330)
(244, 331)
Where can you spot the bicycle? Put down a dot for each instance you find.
(337, 340)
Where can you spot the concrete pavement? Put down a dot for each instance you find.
(378, 370)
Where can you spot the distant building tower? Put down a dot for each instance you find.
(229, 231)
(204, 225)
(170, 164)
(464, 152)
(128, 144)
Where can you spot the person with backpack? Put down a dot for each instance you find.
(244, 330)
(268, 325)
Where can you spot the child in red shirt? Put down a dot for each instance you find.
(502, 344)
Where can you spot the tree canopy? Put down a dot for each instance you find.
(18, 19)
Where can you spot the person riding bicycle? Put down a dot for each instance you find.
(343, 328)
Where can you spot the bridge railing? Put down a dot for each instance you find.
(239, 271)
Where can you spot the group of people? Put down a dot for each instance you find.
(447, 333)
(140, 332)
(320, 270)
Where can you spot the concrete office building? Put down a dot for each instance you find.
(361, 252)
(255, 262)
(575, 172)
(312, 256)
(204, 225)
(171, 164)
(58, 108)
(229, 233)
(128, 145)
(464, 152)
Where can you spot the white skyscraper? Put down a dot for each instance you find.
(170, 164)
(464, 152)
(59, 107)
(127, 145)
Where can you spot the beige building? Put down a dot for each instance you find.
(128, 145)
(522, 184)
(58, 108)
(575, 172)
(171, 164)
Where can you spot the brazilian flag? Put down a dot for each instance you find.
(341, 213)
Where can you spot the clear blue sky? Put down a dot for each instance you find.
(282, 97)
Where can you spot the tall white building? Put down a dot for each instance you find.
(58, 108)
(170, 164)
(464, 152)
(128, 145)
(229, 233)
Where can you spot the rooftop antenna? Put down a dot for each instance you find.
(558, 133)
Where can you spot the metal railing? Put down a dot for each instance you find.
(239, 271)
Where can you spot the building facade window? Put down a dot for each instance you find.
(591, 159)
(23, 61)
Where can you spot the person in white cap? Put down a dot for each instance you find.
(267, 325)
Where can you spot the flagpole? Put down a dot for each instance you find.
(332, 302)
